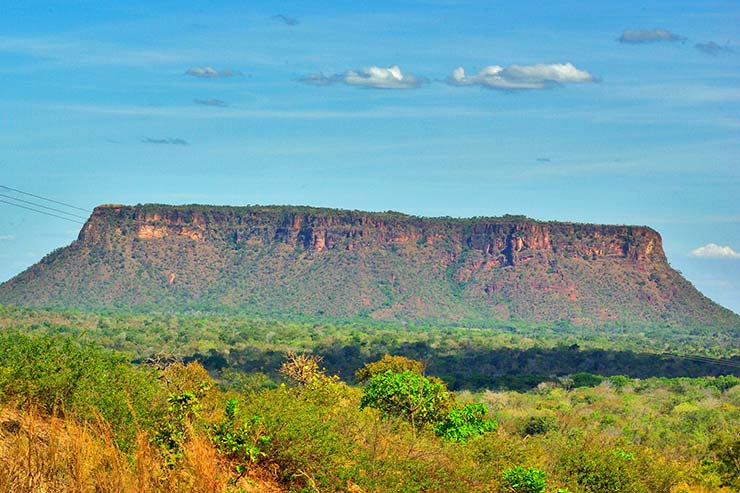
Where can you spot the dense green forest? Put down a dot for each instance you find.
(510, 356)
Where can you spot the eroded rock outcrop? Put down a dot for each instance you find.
(340, 263)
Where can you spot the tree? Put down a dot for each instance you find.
(407, 394)
(463, 423)
(303, 369)
(727, 451)
(396, 364)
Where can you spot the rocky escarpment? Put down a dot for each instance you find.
(317, 230)
(311, 261)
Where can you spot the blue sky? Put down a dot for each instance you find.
(617, 112)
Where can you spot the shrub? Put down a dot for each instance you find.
(240, 441)
(464, 423)
(61, 377)
(620, 381)
(726, 448)
(520, 480)
(597, 470)
(302, 369)
(586, 380)
(411, 396)
(723, 382)
(539, 425)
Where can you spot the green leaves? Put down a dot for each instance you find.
(464, 423)
(520, 480)
(232, 406)
(411, 396)
(421, 400)
(61, 377)
(395, 364)
(242, 443)
(172, 430)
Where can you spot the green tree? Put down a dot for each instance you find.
(396, 364)
(727, 451)
(411, 396)
(463, 423)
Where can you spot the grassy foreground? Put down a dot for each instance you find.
(79, 418)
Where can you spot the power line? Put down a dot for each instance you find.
(42, 206)
(40, 212)
(45, 198)
(706, 360)
(709, 359)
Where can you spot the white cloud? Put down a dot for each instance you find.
(7, 237)
(635, 36)
(539, 76)
(373, 77)
(211, 73)
(712, 250)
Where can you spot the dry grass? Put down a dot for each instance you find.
(40, 454)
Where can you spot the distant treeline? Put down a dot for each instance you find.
(515, 356)
(480, 368)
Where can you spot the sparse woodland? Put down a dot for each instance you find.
(78, 417)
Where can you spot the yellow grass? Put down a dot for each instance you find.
(41, 454)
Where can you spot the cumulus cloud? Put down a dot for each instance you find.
(373, 77)
(177, 142)
(211, 102)
(712, 250)
(636, 36)
(539, 76)
(211, 73)
(712, 48)
(289, 21)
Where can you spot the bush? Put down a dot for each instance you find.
(539, 425)
(586, 380)
(726, 448)
(241, 441)
(723, 382)
(464, 423)
(597, 470)
(61, 377)
(408, 395)
(520, 480)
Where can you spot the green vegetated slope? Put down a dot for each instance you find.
(284, 260)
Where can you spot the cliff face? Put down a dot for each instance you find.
(317, 230)
(358, 264)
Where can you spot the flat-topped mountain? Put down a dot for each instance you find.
(324, 262)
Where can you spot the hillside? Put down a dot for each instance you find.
(280, 260)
